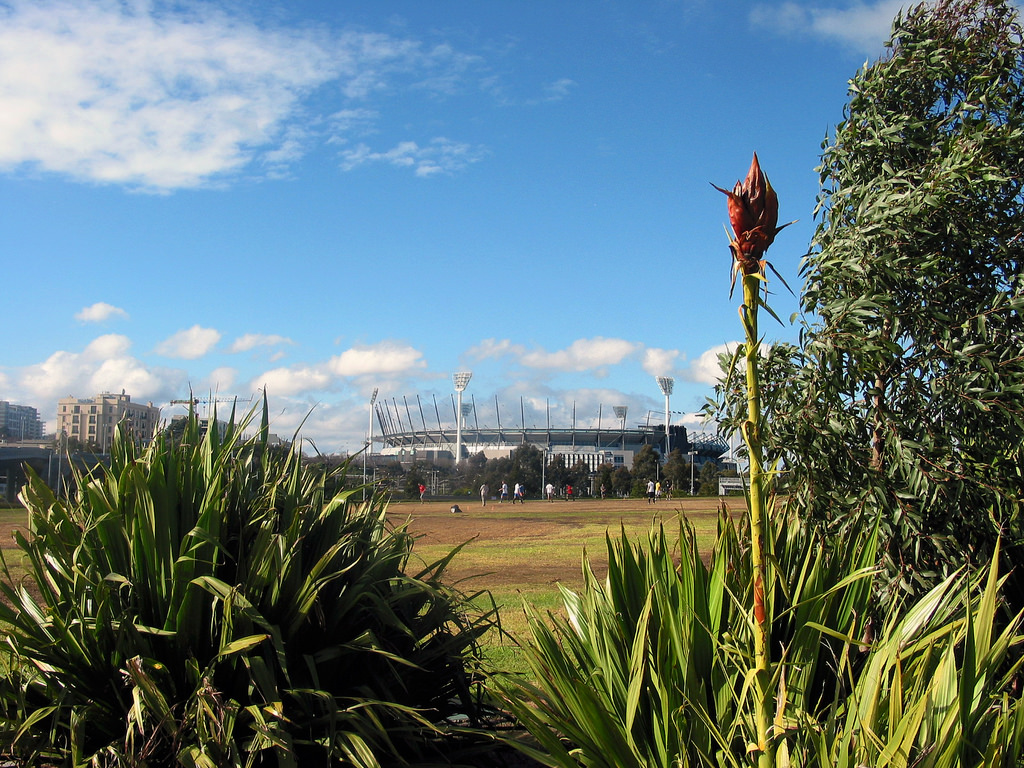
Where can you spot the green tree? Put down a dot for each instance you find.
(417, 474)
(909, 390)
(526, 468)
(622, 481)
(556, 471)
(646, 466)
(579, 476)
(707, 480)
(604, 478)
(470, 473)
(677, 471)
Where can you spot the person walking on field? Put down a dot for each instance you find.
(483, 494)
(518, 494)
(423, 490)
(568, 492)
(504, 493)
(549, 489)
(650, 491)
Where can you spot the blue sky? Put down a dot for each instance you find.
(321, 197)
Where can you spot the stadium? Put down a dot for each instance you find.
(410, 435)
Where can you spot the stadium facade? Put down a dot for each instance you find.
(409, 435)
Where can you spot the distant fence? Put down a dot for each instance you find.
(727, 485)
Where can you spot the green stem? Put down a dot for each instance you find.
(752, 436)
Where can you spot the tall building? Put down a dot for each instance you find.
(93, 421)
(19, 422)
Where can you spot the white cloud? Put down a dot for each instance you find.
(329, 426)
(105, 365)
(98, 312)
(118, 92)
(490, 348)
(582, 355)
(219, 380)
(705, 369)
(250, 341)
(445, 69)
(864, 26)
(559, 89)
(358, 120)
(160, 98)
(292, 381)
(107, 346)
(189, 344)
(128, 374)
(660, 362)
(439, 156)
(385, 358)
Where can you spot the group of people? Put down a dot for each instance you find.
(518, 494)
(549, 492)
(653, 491)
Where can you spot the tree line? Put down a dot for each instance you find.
(526, 465)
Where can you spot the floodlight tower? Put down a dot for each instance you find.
(461, 380)
(620, 414)
(369, 439)
(666, 383)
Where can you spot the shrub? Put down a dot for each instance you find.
(654, 665)
(203, 602)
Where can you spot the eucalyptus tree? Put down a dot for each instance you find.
(646, 466)
(907, 400)
(677, 470)
(527, 461)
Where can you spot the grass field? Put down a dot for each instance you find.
(524, 552)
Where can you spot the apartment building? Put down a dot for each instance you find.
(19, 422)
(93, 420)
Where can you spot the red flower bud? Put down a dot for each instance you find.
(754, 215)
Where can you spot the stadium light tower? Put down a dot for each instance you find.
(369, 439)
(461, 380)
(666, 383)
(620, 414)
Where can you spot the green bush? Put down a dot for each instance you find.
(204, 603)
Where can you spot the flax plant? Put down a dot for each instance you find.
(210, 601)
(650, 666)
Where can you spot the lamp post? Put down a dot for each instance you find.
(666, 383)
(691, 454)
(369, 439)
(461, 381)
